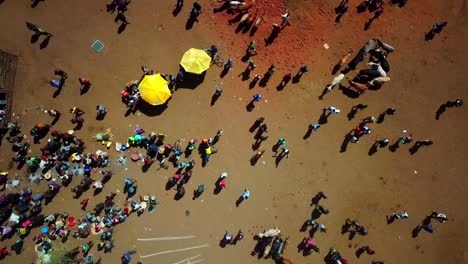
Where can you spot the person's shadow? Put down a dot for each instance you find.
(344, 144)
(33, 4)
(239, 201)
(264, 81)
(224, 72)
(440, 111)
(223, 7)
(214, 98)
(268, 41)
(57, 92)
(196, 194)
(349, 92)
(278, 159)
(415, 148)
(35, 37)
(280, 86)
(429, 36)
(381, 118)
(308, 133)
(250, 106)
(304, 226)
(323, 117)
(45, 42)
(416, 231)
(178, 8)
(315, 214)
(256, 144)
(394, 146)
(122, 28)
(190, 22)
(217, 188)
(360, 251)
(373, 149)
(297, 77)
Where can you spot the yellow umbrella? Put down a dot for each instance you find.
(195, 61)
(154, 90)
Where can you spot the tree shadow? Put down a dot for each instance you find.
(45, 42)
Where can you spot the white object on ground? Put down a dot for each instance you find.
(175, 250)
(164, 238)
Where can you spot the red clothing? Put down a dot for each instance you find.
(3, 252)
(222, 184)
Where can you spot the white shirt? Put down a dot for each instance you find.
(377, 67)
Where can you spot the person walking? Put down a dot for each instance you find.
(285, 20)
(303, 69)
(437, 28)
(257, 97)
(284, 153)
(333, 110)
(314, 127)
(228, 65)
(441, 217)
(246, 194)
(286, 78)
(403, 215)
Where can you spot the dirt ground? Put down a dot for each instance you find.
(359, 186)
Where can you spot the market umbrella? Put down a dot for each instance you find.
(154, 90)
(195, 61)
